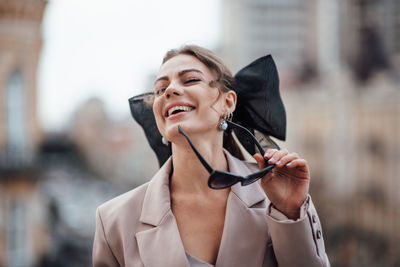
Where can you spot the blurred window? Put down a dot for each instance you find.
(16, 110)
(16, 235)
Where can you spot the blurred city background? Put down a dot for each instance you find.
(67, 145)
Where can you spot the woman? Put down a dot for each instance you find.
(177, 219)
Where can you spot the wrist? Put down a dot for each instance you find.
(290, 213)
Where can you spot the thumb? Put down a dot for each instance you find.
(260, 160)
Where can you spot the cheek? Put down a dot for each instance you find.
(157, 111)
(157, 107)
(209, 97)
(215, 102)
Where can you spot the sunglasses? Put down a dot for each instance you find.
(222, 179)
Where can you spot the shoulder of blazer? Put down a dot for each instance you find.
(123, 212)
(125, 207)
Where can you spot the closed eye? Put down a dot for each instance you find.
(193, 80)
(160, 91)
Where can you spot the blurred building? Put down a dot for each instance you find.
(286, 29)
(21, 213)
(69, 195)
(370, 36)
(311, 37)
(116, 150)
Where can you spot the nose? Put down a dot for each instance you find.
(172, 90)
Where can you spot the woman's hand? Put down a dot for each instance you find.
(287, 185)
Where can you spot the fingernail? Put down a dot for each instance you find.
(271, 160)
(266, 154)
(279, 162)
(289, 164)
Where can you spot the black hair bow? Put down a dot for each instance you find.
(259, 104)
(259, 107)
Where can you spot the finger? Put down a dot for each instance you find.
(260, 160)
(287, 159)
(297, 163)
(270, 153)
(275, 159)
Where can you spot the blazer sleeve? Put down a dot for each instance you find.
(102, 254)
(299, 243)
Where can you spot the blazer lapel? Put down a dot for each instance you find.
(245, 234)
(160, 244)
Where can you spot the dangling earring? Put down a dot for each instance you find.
(164, 141)
(223, 125)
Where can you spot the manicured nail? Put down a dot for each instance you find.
(271, 160)
(279, 162)
(266, 154)
(288, 164)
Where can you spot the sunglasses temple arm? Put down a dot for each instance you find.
(259, 146)
(202, 160)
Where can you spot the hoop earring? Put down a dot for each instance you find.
(164, 141)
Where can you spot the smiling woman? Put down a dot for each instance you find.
(178, 218)
(185, 81)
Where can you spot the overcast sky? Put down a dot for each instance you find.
(108, 49)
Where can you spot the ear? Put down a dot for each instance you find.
(230, 101)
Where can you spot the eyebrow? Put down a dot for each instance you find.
(181, 73)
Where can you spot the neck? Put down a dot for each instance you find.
(189, 175)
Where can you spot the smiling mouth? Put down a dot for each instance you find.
(178, 109)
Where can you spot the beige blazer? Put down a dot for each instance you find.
(138, 228)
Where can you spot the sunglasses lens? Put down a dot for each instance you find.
(255, 176)
(250, 180)
(221, 180)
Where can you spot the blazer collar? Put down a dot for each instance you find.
(245, 233)
(157, 201)
(160, 245)
(241, 243)
(251, 194)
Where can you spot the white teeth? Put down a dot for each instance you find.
(183, 108)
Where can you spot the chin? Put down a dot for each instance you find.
(172, 133)
(190, 127)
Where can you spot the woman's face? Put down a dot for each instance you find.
(183, 96)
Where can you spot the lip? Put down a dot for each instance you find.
(177, 116)
(176, 104)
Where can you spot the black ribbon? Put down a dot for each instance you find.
(259, 107)
(259, 104)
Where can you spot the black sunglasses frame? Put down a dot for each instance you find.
(233, 178)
